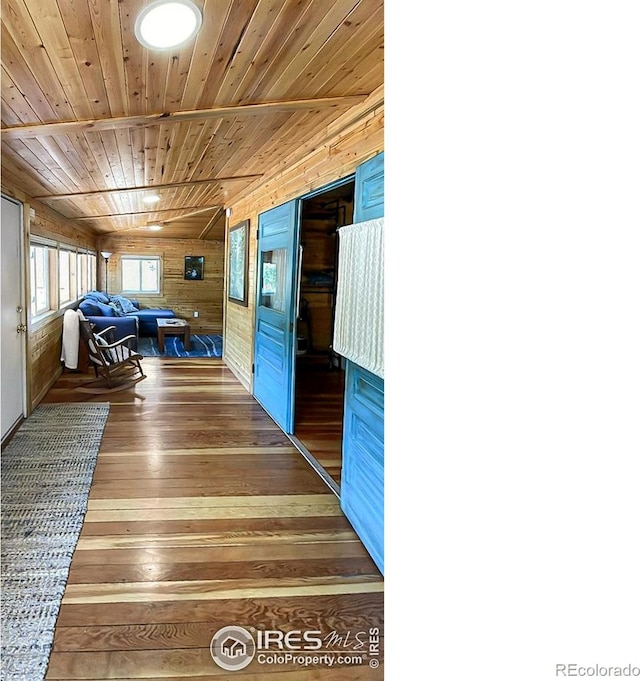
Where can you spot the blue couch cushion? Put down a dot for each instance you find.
(92, 307)
(99, 296)
(152, 314)
(148, 319)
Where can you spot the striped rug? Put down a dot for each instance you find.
(47, 469)
(202, 345)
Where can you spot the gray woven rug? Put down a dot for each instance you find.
(47, 469)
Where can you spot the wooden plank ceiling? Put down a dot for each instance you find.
(92, 121)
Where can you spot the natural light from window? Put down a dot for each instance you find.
(39, 259)
(140, 274)
(67, 276)
(59, 275)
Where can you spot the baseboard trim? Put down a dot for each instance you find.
(43, 393)
(315, 464)
(235, 370)
(7, 438)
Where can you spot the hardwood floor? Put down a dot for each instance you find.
(319, 413)
(201, 515)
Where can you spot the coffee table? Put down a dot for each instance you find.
(174, 327)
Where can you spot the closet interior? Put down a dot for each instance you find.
(319, 375)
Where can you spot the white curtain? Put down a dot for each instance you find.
(359, 322)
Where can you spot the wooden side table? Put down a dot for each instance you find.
(174, 327)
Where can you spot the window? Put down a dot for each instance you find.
(272, 291)
(91, 271)
(41, 257)
(59, 275)
(82, 274)
(67, 283)
(140, 274)
(86, 273)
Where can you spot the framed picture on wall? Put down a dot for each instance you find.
(238, 265)
(194, 267)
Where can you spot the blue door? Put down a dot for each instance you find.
(369, 196)
(274, 351)
(362, 485)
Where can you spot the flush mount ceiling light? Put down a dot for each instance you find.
(165, 24)
(152, 198)
(155, 228)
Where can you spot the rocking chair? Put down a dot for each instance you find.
(115, 363)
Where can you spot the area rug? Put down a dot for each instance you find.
(47, 469)
(201, 346)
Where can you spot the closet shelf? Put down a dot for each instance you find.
(317, 289)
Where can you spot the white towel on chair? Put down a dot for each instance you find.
(70, 339)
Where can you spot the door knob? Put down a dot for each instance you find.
(19, 308)
(21, 328)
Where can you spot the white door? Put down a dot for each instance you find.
(12, 368)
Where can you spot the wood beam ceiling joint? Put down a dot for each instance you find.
(146, 120)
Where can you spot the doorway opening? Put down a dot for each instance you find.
(319, 371)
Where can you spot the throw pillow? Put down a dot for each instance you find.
(123, 304)
(128, 305)
(118, 312)
(99, 296)
(90, 308)
(107, 310)
(114, 302)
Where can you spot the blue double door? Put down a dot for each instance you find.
(362, 489)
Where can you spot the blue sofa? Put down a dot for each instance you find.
(124, 313)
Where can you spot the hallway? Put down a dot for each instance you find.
(202, 515)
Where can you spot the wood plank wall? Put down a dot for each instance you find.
(44, 339)
(180, 295)
(346, 143)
